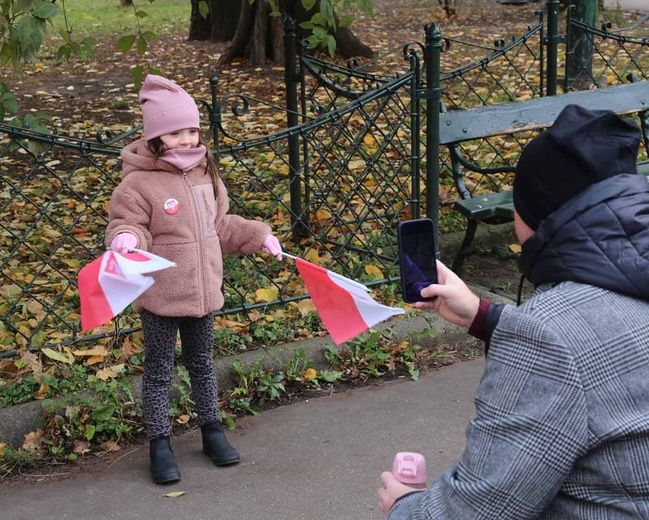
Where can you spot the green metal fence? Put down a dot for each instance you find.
(352, 156)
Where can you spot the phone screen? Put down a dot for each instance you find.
(417, 259)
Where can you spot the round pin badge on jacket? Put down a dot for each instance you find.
(172, 206)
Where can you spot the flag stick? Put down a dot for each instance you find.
(335, 275)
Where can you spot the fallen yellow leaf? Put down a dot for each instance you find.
(229, 324)
(42, 391)
(110, 446)
(106, 373)
(369, 140)
(33, 440)
(57, 356)
(95, 359)
(356, 164)
(373, 270)
(322, 215)
(305, 306)
(313, 257)
(97, 351)
(81, 447)
(266, 295)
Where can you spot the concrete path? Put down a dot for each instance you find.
(319, 459)
(628, 5)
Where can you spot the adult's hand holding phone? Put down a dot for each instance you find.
(416, 240)
(454, 301)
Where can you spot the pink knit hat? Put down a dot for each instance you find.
(166, 107)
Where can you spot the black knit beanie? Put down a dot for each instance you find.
(581, 148)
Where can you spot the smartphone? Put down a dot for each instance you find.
(417, 257)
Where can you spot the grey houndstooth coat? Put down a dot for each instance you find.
(561, 429)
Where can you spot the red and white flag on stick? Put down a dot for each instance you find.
(111, 282)
(344, 306)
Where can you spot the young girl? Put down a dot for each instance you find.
(172, 202)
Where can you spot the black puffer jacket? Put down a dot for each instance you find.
(600, 238)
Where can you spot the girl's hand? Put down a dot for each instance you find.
(272, 247)
(391, 491)
(455, 302)
(124, 242)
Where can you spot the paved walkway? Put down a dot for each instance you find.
(628, 5)
(319, 459)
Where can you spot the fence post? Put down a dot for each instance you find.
(415, 131)
(432, 60)
(291, 79)
(215, 116)
(552, 42)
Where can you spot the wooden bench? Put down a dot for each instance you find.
(458, 128)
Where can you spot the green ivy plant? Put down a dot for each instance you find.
(109, 414)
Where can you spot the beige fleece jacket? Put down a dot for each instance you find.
(174, 215)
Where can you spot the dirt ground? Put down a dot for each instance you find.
(498, 273)
(81, 97)
(76, 95)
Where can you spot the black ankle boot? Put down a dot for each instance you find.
(217, 446)
(163, 465)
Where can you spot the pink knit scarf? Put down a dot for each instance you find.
(185, 159)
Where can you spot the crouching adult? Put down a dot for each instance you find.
(562, 411)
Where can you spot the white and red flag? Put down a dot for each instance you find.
(111, 282)
(344, 306)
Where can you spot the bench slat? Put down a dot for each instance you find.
(481, 207)
(463, 125)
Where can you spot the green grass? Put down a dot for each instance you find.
(108, 18)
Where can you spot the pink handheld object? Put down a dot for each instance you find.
(410, 469)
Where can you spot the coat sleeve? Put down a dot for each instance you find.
(128, 212)
(240, 235)
(531, 425)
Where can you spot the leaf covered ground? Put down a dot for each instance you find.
(79, 96)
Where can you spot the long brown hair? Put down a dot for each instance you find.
(156, 147)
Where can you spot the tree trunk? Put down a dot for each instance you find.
(348, 45)
(259, 37)
(239, 42)
(258, 44)
(579, 68)
(219, 28)
(277, 39)
(199, 28)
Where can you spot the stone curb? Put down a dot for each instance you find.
(17, 421)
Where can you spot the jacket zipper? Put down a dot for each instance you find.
(199, 234)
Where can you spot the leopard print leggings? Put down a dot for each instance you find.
(197, 340)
